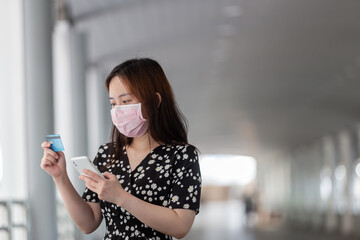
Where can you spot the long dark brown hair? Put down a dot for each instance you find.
(144, 77)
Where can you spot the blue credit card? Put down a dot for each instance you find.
(56, 143)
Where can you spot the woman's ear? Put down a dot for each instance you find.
(159, 98)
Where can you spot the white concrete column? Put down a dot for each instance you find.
(306, 184)
(355, 173)
(69, 98)
(13, 158)
(69, 92)
(346, 159)
(329, 156)
(98, 110)
(316, 163)
(291, 196)
(38, 62)
(304, 180)
(98, 119)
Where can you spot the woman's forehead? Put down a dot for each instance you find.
(118, 87)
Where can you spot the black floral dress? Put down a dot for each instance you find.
(169, 176)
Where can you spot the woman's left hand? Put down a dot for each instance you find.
(108, 189)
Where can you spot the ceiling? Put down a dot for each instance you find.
(252, 76)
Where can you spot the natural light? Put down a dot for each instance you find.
(217, 169)
(1, 166)
(325, 184)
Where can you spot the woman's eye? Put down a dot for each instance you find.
(112, 104)
(126, 101)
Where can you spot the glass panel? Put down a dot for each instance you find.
(4, 235)
(19, 234)
(3, 216)
(18, 214)
(66, 228)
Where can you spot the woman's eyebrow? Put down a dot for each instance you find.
(121, 95)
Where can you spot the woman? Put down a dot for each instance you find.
(152, 179)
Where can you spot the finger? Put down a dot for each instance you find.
(91, 187)
(51, 159)
(46, 163)
(49, 164)
(45, 144)
(87, 179)
(89, 182)
(48, 151)
(60, 154)
(93, 175)
(108, 175)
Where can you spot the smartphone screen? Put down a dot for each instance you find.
(84, 162)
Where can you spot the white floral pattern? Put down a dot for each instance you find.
(169, 176)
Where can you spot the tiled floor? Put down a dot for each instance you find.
(225, 221)
(247, 234)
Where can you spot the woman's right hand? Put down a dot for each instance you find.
(53, 162)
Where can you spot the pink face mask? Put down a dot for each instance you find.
(129, 120)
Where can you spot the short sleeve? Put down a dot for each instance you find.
(186, 180)
(88, 195)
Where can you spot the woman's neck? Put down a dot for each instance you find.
(143, 143)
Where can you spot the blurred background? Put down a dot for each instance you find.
(270, 89)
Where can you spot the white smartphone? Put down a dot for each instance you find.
(83, 162)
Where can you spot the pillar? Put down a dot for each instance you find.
(39, 115)
(70, 104)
